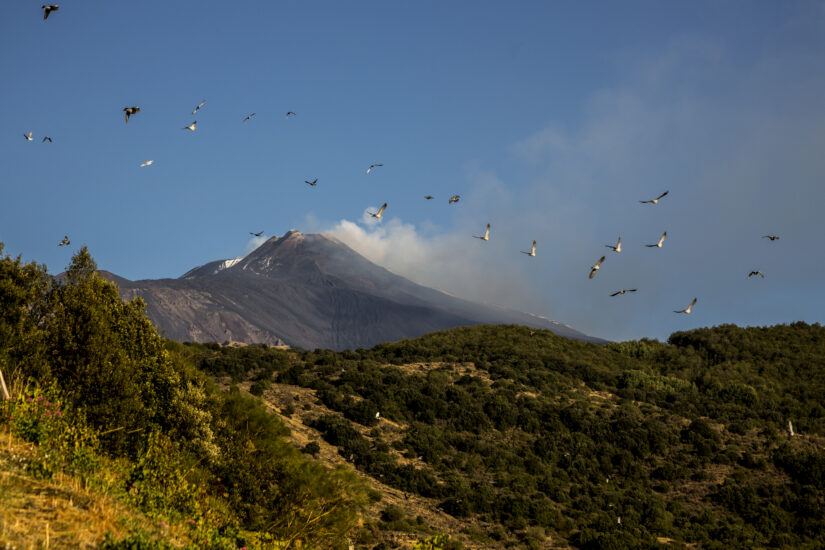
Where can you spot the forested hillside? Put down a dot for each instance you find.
(497, 436)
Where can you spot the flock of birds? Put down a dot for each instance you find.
(617, 248)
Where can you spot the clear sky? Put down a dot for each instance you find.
(550, 119)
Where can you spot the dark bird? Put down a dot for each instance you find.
(532, 252)
(45, 139)
(198, 108)
(453, 199)
(48, 9)
(130, 111)
(687, 309)
(290, 113)
(617, 248)
(656, 200)
(373, 166)
(622, 291)
(65, 241)
(486, 236)
(313, 182)
(752, 273)
(428, 197)
(771, 237)
(258, 234)
(659, 244)
(596, 267)
(248, 117)
(379, 213)
(191, 127)
(28, 136)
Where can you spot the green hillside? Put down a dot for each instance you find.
(497, 436)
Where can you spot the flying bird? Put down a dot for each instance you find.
(313, 182)
(147, 163)
(596, 267)
(45, 139)
(622, 291)
(28, 136)
(659, 244)
(290, 113)
(380, 212)
(428, 197)
(486, 236)
(258, 234)
(453, 199)
(248, 117)
(191, 127)
(656, 200)
(687, 309)
(532, 250)
(771, 237)
(199, 107)
(48, 9)
(752, 273)
(617, 248)
(373, 166)
(65, 241)
(130, 111)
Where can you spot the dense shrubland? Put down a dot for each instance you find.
(685, 440)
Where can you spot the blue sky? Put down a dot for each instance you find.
(551, 120)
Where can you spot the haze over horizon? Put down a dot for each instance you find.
(551, 122)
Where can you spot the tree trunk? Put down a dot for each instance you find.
(4, 392)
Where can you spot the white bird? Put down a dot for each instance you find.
(147, 163)
(659, 244)
(755, 272)
(373, 166)
(532, 250)
(486, 236)
(617, 248)
(28, 136)
(656, 200)
(596, 267)
(199, 107)
(377, 415)
(622, 291)
(65, 241)
(48, 9)
(248, 117)
(687, 309)
(380, 212)
(453, 199)
(130, 111)
(191, 127)
(790, 429)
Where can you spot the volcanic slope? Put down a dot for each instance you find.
(309, 291)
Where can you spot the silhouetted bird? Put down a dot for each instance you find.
(752, 273)
(248, 117)
(623, 291)
(65, 241)
(428, 197)
(130, 111)
(771, 237)
(258, 234)
(373, 166)
(45, 139)
(289, 114)
(313, 182)
(48, 9)
(656, 200)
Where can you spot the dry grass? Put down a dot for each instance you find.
(56, 513)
